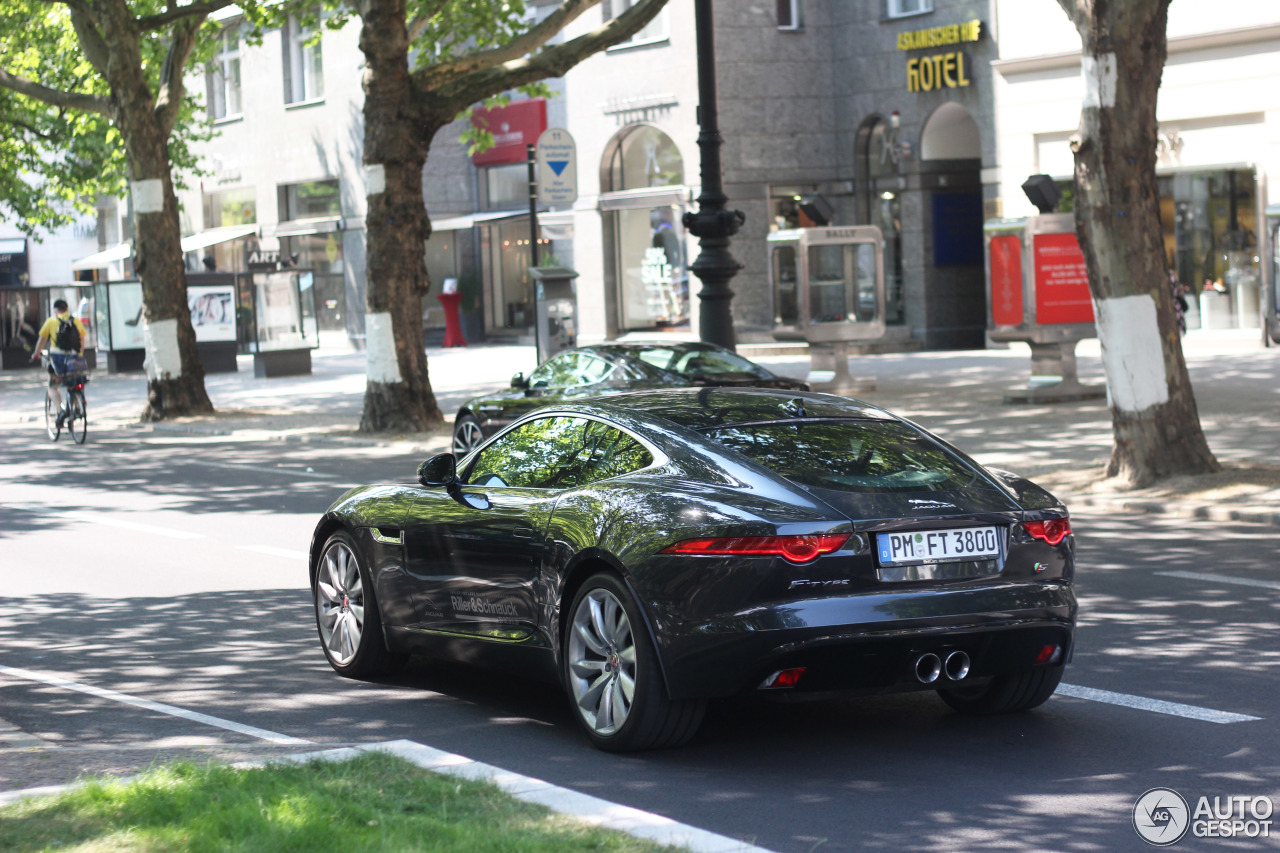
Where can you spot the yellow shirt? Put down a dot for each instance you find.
(50, 330)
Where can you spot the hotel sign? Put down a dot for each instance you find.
(926, 73)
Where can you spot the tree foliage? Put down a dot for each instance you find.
(56, 160)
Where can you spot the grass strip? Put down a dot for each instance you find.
(375, 802)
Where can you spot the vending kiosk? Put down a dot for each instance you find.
(828, 289)
(1038, 293)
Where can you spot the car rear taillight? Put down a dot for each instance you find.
(793, 549)
(1052, 531)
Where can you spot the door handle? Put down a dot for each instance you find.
(523, 531)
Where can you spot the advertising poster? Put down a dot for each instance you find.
(1062, 283)
(126, 315)
(213, 312)
(1006, 280)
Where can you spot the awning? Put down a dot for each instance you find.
(214, 236)
(13, 246)
(302, 227)
(460, 223)
(101, 259)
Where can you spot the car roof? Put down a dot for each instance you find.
(706, 407)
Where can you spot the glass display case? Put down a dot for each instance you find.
(280, 328)
(828, 283)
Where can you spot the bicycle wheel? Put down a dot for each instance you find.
(51, 404)
(78, 416)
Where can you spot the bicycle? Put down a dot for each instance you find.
(73, 414)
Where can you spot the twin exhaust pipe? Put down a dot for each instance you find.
(929, 667)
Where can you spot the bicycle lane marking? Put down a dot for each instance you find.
(149, 705)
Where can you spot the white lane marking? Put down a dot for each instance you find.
(1158, 706)
(276, 552)
(1204, 576)
(111, 521)
(147, 704)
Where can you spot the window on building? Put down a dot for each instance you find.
(901, 8)
(230, 207)
(655, 30)
(310, 200)
(223, 79)
(506, 187)
(303, 63)
(790, 15)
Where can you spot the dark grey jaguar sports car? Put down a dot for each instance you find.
(612, 368)
(655, 549)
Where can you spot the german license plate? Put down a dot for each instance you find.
(937, 546)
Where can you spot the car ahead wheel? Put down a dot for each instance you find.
(611, 670)
(1006, 694)
(347, 614)
(467, 435)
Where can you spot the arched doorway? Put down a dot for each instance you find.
(880, 204)
(643, 200)
(951, 181)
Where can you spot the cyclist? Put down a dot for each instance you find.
(65, 335)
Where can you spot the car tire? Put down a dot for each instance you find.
(1006, 694)
(467, 435)
(608, 654)
(347, 617)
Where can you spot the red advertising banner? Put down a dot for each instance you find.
(1062, 283)
(1006, 280)
(514, 126)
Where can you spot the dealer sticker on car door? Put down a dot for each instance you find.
(937, 546)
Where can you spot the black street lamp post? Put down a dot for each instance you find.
(712, 224)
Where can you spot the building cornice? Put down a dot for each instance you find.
(1177, 45)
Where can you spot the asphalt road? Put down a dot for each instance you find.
(172, 571)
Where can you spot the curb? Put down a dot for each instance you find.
(1263, 515)
(583, 807)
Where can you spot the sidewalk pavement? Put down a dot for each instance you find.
(957, 394)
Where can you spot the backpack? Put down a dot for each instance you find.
(68, 337)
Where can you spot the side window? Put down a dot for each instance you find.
(538, 455)
(570, 370)
(609, 452)
(592, 370)
(559, 372)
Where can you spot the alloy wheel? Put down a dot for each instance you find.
(602, 662)
(340, 603)
(466, 438)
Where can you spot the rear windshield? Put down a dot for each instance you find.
(848, 456)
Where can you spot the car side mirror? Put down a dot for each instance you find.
(518, 381)
(439, 470)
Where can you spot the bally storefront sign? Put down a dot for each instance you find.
(942, 69)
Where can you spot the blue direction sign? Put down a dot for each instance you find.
(557, 167)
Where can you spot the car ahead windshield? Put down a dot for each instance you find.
(848, 455)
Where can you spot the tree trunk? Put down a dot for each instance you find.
(175, 376)
(1153, 410)
(398, 394)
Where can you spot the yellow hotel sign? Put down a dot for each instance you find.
(926, 73)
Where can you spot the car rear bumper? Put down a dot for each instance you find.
(870, 642)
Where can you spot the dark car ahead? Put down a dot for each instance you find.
(655, 549)
(608, 369)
